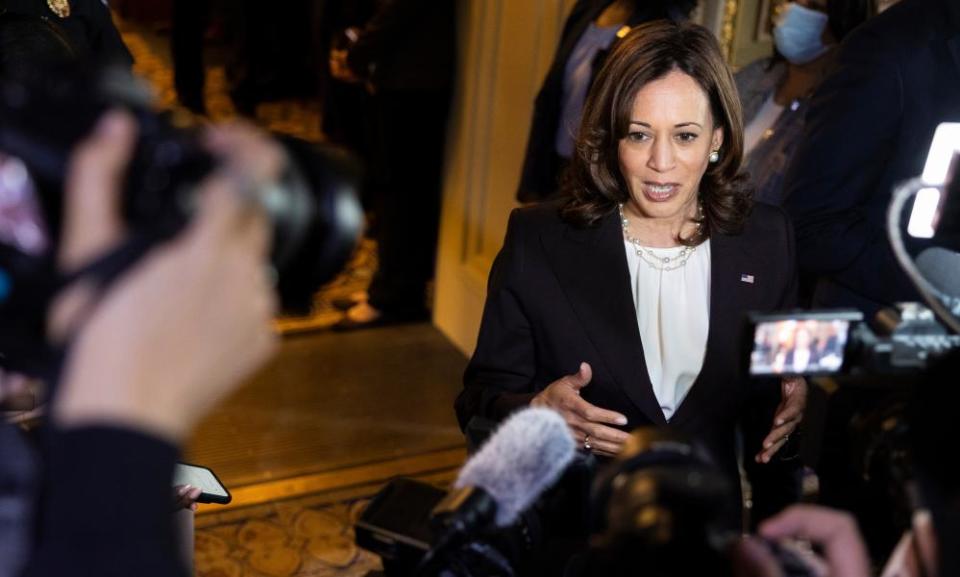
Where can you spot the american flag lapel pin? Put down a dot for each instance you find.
(747, 278)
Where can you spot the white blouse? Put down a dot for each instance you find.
(673, 313)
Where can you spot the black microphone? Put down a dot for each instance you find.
(523, 458)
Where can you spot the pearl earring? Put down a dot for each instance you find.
(714, 156)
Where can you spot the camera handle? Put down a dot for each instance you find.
(946, 307)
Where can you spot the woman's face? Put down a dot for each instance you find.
(666, 150)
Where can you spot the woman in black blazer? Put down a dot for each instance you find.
(655, 190)
(590, 29)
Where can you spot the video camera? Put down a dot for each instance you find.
(840, 342)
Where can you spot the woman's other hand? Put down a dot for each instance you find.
(588, 423)
(786, 419)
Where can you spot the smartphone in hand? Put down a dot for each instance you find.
(212, 490)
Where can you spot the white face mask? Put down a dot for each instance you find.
(798, 33)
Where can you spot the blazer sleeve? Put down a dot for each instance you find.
(775, 485)
(831, 185)
(499, 378)
(107, 506)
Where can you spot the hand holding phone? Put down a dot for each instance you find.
(211, 489)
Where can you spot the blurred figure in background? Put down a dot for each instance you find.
(345, 99)
(590, 30)
(273, 52)
(775, 90)
(409, 73)
(188, 27)
(869, 126)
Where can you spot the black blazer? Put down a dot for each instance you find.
(542, 165)
(869, 127)
(559, 295)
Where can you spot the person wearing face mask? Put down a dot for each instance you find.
(775, 90)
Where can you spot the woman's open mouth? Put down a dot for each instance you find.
(660, 192)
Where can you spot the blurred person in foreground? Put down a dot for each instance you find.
(621, 305)
(147, 356)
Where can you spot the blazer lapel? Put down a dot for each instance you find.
(591, 265)
(732, 282)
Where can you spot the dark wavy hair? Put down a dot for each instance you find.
(593, 183)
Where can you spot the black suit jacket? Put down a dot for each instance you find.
(869, 127)
(559, 295)
(105, 506)
(542, 165)
(89, 28)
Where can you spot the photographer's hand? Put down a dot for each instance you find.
(189, 321)
(834, 531)
(583, 418)
(787, 417)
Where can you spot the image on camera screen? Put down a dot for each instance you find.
(798, 346)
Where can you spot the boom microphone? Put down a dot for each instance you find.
(523, 458)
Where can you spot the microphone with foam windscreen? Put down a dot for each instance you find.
(524, 457)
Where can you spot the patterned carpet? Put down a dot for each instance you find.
(294, 539)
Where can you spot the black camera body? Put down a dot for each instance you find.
(45, 113)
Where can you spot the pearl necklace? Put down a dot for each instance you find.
(659, 263)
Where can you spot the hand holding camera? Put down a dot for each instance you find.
(190, 320)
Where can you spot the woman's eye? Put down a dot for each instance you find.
(687, 136)
(636, 136)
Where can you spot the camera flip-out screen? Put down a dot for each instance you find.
(801, 344)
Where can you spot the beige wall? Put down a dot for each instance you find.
(506, 47)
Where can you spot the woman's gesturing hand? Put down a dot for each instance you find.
(588, 423)
(786, 419)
